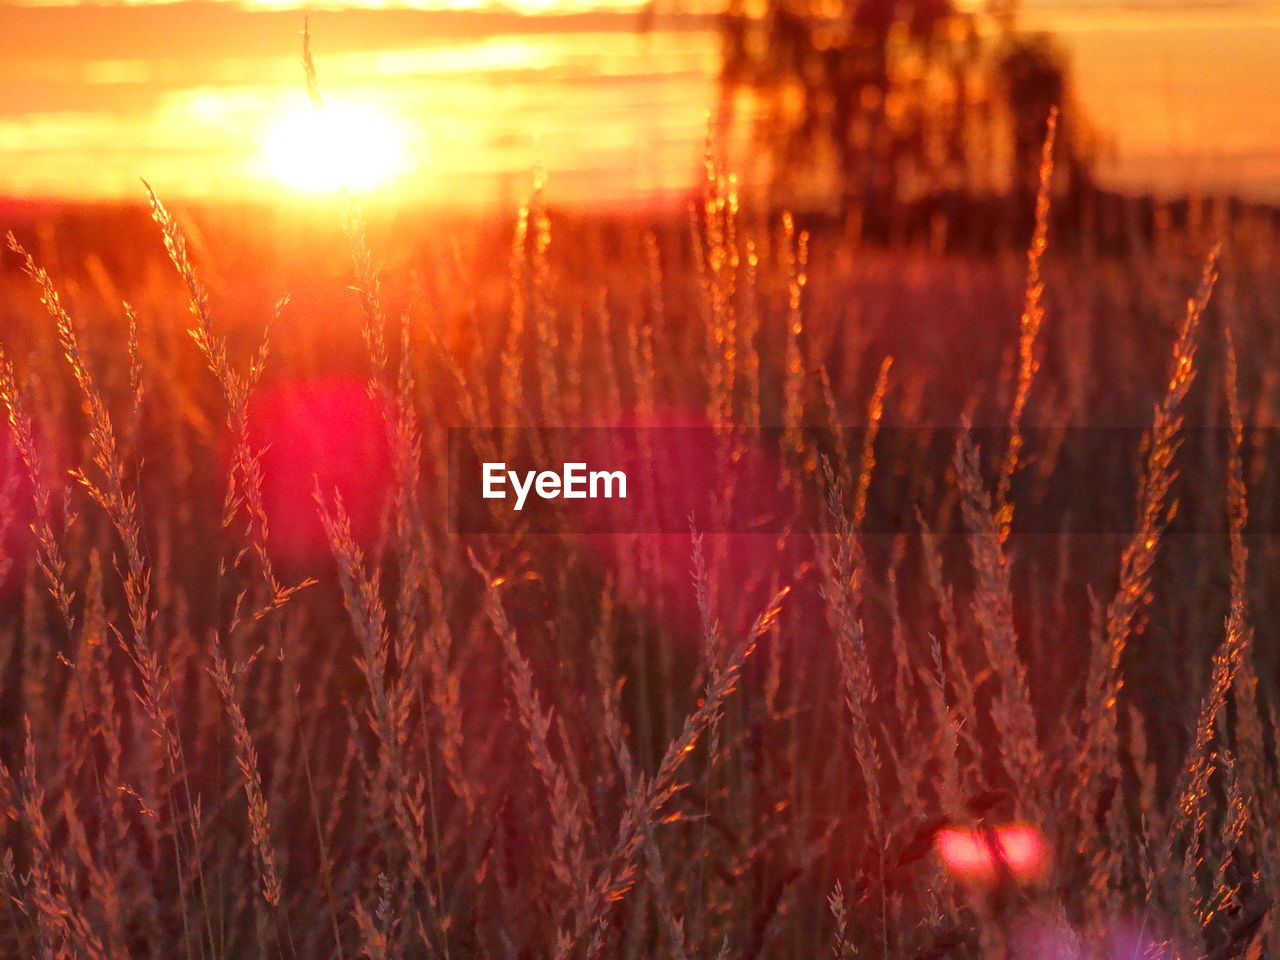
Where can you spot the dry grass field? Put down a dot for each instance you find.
(259, 699)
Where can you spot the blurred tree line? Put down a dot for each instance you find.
(885, 110)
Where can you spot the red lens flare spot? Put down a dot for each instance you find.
(325, 432)
(976, 854)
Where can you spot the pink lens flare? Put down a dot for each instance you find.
(327, 432)
(976, 855)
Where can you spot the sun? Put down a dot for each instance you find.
(333, 147)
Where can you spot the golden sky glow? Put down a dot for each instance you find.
(202, 98)
(517, 6)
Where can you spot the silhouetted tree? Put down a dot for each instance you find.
(880, 103)
(1032, 77)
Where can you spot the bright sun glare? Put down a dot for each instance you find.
(336, 146)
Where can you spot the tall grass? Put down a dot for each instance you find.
(225, 737)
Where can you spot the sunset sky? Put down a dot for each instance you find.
(205, 99)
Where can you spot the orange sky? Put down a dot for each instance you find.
(198, 97)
